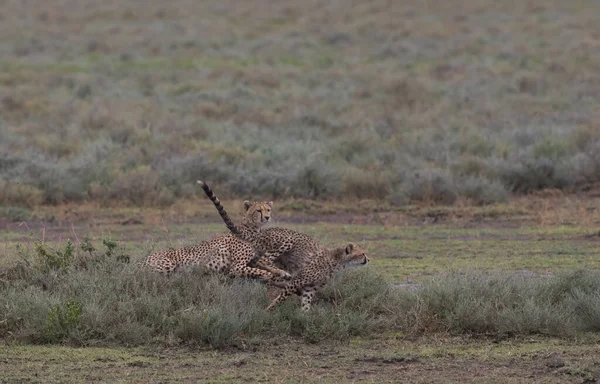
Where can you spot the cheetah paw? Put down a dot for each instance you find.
(285, 275)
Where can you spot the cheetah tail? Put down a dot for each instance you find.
(211, 195)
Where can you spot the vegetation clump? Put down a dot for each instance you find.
(85, 296)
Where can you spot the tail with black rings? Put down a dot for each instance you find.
(211, 195)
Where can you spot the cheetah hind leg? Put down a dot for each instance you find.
(289, 290)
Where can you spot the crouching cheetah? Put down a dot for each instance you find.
(318, 272)
(290, 249)
(225, 254)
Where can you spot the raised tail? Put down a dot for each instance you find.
(211, 195)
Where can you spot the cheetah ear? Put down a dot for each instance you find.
(247, 205)
(270, 204)
(349, 248)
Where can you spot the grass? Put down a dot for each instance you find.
(365, 122)
(90, 295)
(464, 306)
(537, 235)
(400, 104)
(375, 360)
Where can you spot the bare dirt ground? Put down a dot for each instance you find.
(386, 360)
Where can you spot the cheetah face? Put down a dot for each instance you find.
(258, 212)
(354, 255)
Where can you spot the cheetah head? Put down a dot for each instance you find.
(354, 255)
(258, 213)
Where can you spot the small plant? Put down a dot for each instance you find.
(54, 260)
(87, 246)
(21, 251)
(62, 319)
(111, 246)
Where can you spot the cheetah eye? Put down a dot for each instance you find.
(259, 211)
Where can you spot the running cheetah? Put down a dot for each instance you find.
(311, 263)
(290, 249)
(318, 272)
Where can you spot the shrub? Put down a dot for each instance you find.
(431, 185)
(59, 182)
(298, 114)
(99, 299)
(49, 260)
(151, 167)
(364, 184)
(141, 186)
(62, 319)
(482, 190)
(502, 304)
(534, 174)
(315, 180)
(20, 194)
(15, 213)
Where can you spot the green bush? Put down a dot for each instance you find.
(62, 319)
(433, 165)
(274, 113)
(50, 260)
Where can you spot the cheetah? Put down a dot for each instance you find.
(318, 272)
(313, 264)
(225, 254)
(291, 250)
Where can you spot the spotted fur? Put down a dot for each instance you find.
(312, 264)
(225, 254)
(319, 270)
(278, 248)
(249, 231)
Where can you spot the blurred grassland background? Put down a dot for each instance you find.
(360, 119)
(132, 101)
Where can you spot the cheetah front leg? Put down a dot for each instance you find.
(307, 297)
(264, 264)
(308, 292)
(289, 290)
